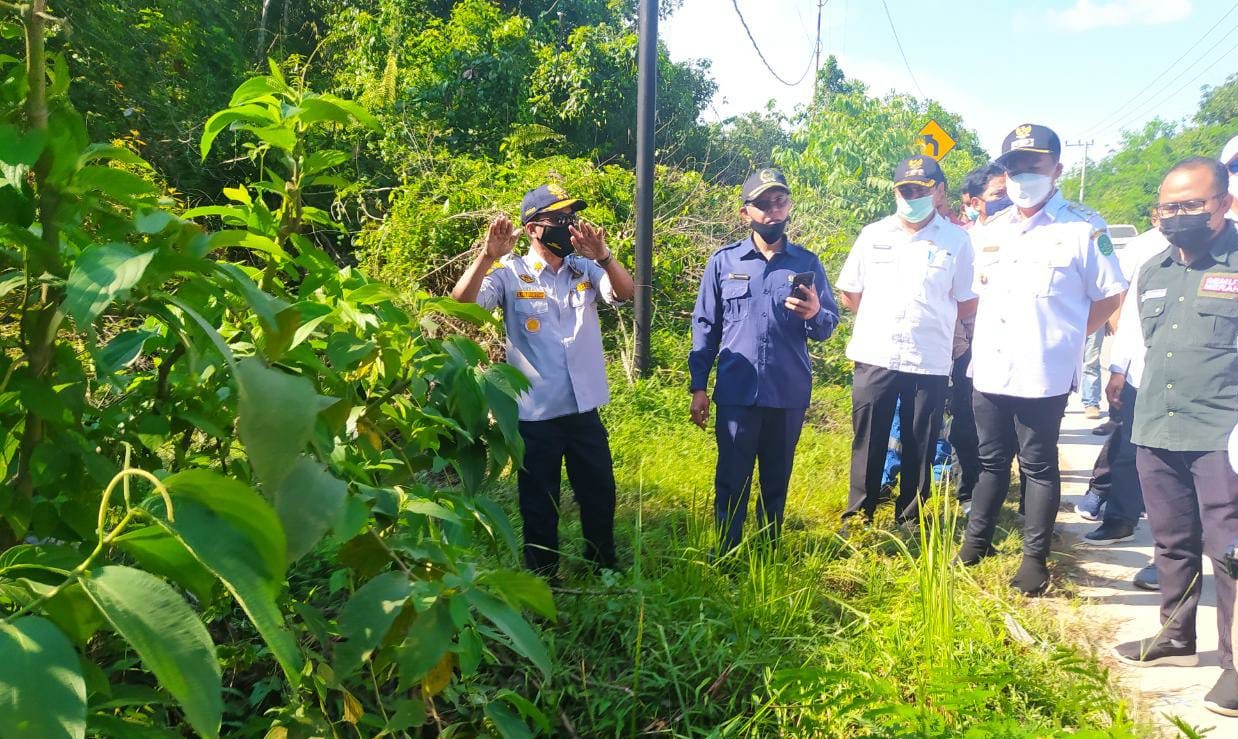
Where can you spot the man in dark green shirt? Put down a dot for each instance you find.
(1187, 405)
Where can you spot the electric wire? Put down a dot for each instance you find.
(811, 57)
(901, 53)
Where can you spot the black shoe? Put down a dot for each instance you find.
(1156, 651)
(1110, 532)
(1106, 428)
(1032, 579)
(1223, 698)
(1145, 579)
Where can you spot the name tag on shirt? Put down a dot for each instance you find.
(1153, 294)
(737, 276)
(1219, 285)
(531, 294)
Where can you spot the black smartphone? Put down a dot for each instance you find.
(800, 281)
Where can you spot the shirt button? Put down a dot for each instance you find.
(1169, 354)
(1175, 325)
(1169, 386)
(1170, 413)
(1180, 299)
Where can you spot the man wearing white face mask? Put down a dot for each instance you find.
(908, 278)
(1047, 277)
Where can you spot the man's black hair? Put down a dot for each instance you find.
(1218, 170)
(978, 179)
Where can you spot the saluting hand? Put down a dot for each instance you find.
(589, 240)
(806, 307)
(500, 238)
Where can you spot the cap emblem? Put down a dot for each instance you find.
(767, 176)
(557, 190)
(1023, 131)
(915, 164)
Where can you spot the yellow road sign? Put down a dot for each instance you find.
(934, 141)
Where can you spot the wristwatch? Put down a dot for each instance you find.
(610, 256)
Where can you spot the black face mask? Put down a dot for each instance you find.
(770, 232)
(558, 239)
(1188, 233)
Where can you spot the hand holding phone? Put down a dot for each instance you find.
(799, 282)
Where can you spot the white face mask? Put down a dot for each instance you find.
(1233, 185)
(1029, 189)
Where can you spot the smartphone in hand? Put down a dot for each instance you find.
(799, 281)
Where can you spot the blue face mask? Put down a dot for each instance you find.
(973, 215)
(916, 209)
(996, 205)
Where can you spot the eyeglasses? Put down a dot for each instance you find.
(1186, 207)
(564, 219)
(774, 203)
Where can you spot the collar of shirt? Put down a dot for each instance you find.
(1221, 252)
(748, 249)
(894, 225)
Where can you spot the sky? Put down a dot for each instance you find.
(1085, 68)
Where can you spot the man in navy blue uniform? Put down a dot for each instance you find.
(755, 320)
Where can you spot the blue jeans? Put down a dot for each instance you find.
(1089, 387)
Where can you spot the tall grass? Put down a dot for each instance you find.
(875, 637)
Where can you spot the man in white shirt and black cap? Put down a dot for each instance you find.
(908, 278)
(1047, 278)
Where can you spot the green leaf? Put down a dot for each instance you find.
(471, 312)
(323, 159)
(216, 124)
(427, 641)
(153, 221)
(113, 182)
(511, 623)
(167, 635)
(346, 351)
(241, 508)
(366, 618)
(276, 419)
(237, 559)
(510, 725)
(308, 501)
(160, 552)
(262, 304)
(523, 590)
(70, 609)
(356, 111)
(123, 350)
(17, 147)
(247, 240)
(101, 273)
(255, 88)
(42, 692)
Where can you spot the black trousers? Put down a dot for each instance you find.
(1037, 424)
(1192, 500)
(1101, 481)
(873, 394)
(582, 441)
(963, 437)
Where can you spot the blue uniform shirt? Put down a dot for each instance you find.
(740, 320)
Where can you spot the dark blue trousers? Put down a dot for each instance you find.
(750, 435)
(1124, 503)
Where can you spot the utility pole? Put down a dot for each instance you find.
(646, 104)
(1083, 177)
(820, 7)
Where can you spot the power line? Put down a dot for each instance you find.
(756, 48)
(901, 53)
(1121, 108)
(1144, 110)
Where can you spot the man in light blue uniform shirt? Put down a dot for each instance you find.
(549, 300)
(756, 323)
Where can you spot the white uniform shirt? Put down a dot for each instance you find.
(1037, 279)
(1127, 350)
(912, 284)
(553, 336)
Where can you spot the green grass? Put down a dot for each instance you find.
(880, 637)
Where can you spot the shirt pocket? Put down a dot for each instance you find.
(1055, 274)
(1217, 325)
(532, 306)
(1151, 313)
(736, 300)
(583, 294)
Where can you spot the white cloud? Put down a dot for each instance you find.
(1086, 15)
